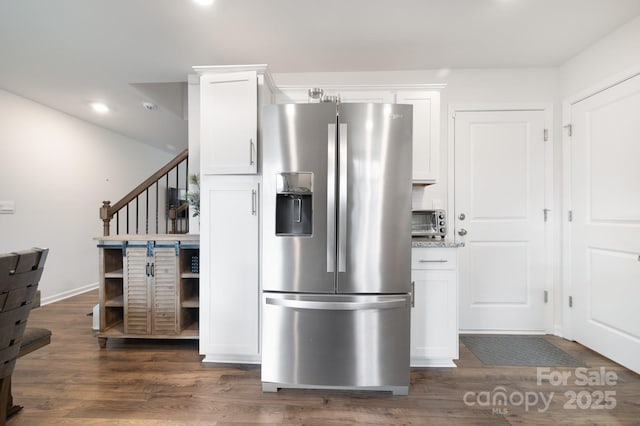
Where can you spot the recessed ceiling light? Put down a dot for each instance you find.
(100, 108)
(204, 2)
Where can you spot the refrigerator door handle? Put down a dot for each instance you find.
(337, 306)
(331, 198)
(342, 208)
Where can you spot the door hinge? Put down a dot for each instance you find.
(571, 301)
(546, 135)
(569, 128)
(546, 296)
(570, 215)
(546, 214)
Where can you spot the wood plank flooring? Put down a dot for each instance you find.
(145, 382)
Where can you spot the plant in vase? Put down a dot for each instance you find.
(193, 196)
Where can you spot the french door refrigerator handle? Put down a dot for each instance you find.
(337, 306)
(331, 198)
(342, 206)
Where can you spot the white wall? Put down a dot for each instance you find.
(58, 170)
(615, 53)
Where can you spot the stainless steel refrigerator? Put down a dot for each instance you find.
(336, 254)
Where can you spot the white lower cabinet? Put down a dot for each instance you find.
(434, 317)
(229, 272)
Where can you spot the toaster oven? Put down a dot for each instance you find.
(429, 223)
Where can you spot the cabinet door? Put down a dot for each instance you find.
(426, 133)
(164, 289)
(229, 286)
(137, 307)
(366, 96)
(228, 123)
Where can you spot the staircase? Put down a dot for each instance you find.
(156, 206)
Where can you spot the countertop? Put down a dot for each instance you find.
(150, 237)
(433, 242)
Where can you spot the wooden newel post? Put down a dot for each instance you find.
(106, 217)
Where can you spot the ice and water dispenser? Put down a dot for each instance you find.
(294, 200)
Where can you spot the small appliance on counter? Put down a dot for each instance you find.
(429, 223)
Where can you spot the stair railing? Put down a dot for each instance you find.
(158, 204)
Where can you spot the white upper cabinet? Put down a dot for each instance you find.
(426, 117)
(229, 117)
(377, 96)
(426, 133)
(230, 101)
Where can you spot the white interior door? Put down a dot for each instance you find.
(605, 231)
(499, 215)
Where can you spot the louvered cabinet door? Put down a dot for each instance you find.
(136, 293)
(165, 291)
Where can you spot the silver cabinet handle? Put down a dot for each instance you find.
(413, 294)
(462, 216)
(251, 149)
(433, 260)
(299, 219)
(462, 231)
(254, 206)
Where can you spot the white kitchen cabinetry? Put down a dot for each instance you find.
(434, 317)
(426, 118)
(426, 133)
(229, 285)
(229, 116)
(231, 99)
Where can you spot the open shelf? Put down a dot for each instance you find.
(175, 283)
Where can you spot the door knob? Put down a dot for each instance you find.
(462, 232)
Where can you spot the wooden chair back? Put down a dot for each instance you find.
(20, 274)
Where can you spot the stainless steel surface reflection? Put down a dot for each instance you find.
(336, 311)
(320, 341)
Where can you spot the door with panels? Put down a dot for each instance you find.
(499, 214)
(605, 226)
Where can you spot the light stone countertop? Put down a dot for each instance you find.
(433, 242)
(149, 237)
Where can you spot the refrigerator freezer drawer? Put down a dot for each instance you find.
(336, 341)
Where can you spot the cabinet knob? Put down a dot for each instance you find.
(462, 232)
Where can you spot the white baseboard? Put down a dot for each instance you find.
(503, 332)
(68, 294)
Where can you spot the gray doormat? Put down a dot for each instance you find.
(518, 350)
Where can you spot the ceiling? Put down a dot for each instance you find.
(68, 53)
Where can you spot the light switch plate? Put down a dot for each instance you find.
(7, 207)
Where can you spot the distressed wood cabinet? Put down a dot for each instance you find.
(149, 287)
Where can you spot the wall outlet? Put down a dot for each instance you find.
(7, 207)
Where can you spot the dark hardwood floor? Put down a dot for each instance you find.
(145, 382)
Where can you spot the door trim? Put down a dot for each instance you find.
(566, 263)
(553, 285)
